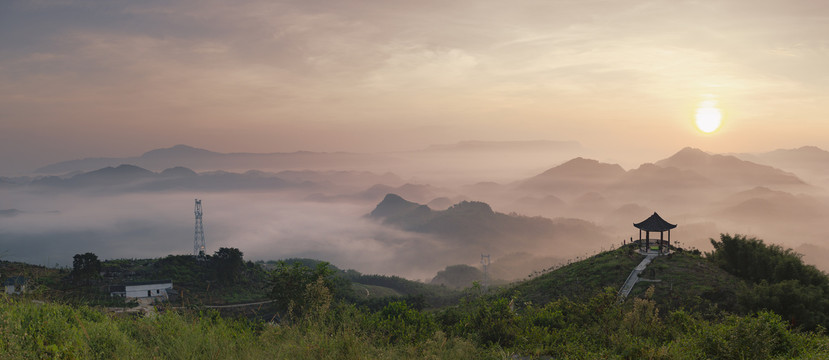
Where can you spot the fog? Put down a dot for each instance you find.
(319, 210)
(265, 226)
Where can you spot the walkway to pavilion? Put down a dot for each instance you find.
(654, 223)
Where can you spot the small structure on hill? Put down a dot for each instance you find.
(15, 285)
(161, 289)
(655, 223)
(199, 250)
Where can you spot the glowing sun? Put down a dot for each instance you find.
(708, 118)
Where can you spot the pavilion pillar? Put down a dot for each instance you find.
(647, 240)
(661, 240)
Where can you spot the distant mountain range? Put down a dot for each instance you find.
(10, 212)
(201, 159)
(133, 178)
(727, 169)
(204, 160)
(686, 170)
(807, 160)
(474, 225)
(579, 173)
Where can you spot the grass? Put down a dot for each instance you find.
(580, 279)
(362, 291)
(557, 314)
(47, 330)
(688, 281)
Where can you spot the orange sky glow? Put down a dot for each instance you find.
(86, 78)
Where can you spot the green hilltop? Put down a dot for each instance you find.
(744, 300)
(680, 280)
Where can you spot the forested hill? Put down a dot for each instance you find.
(474, 225)
(682, 280)
(742, 275)
(744, 300)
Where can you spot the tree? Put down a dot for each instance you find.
(85, 266)
(228, 263)
(294, 286)
(778, 280)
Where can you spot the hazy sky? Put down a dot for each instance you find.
(81, 78)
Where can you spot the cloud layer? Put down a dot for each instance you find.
(89, 77)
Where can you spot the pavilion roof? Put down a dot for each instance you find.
(655, 223)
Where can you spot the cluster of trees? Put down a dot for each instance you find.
(777, 280)
(299, 289)
(85, 267)
(477, 328)
(596, 327)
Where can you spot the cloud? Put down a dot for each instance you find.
(271, 73)
(265, 226)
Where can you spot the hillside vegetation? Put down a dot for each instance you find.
(700, 309)
(478, 329)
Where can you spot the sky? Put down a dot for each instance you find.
(92, 78)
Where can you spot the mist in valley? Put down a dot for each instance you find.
(554, 210)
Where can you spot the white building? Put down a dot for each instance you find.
(143, 289)
(15, 285)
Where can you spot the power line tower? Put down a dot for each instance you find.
(485, 263)
(198, 238)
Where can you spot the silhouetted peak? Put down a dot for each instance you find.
(394, 199)
(810, 148)
(120, 170)
(10, 212)
(808, 152)
(760, 192)
(472, 207)
(177, 151)
(686, 157)
(585, 167)
(178, 171)
(728, 168)
(393, 204)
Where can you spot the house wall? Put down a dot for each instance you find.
(155, 290)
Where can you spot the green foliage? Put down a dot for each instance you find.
(801, 305)
(85, 266)
(690, 282)
(754, 261)
(764, 336)
(457, 276)
(781, 282)
(228, 264)
(298, 288)
(578, 320)
(398, 323)
(479, 328)
(578, 280)
(495, 323)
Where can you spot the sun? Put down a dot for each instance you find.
(708, 118)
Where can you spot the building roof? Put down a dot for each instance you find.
(655, 223)
(154, 282)
(15, 280)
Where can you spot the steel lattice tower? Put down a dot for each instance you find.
(198, 239)
(485, 263)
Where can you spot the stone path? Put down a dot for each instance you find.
(633, 278)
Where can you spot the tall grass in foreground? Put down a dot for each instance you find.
(479, 328)
(31, 330)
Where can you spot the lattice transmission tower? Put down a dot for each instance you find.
(198, 238)
(485, 264)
